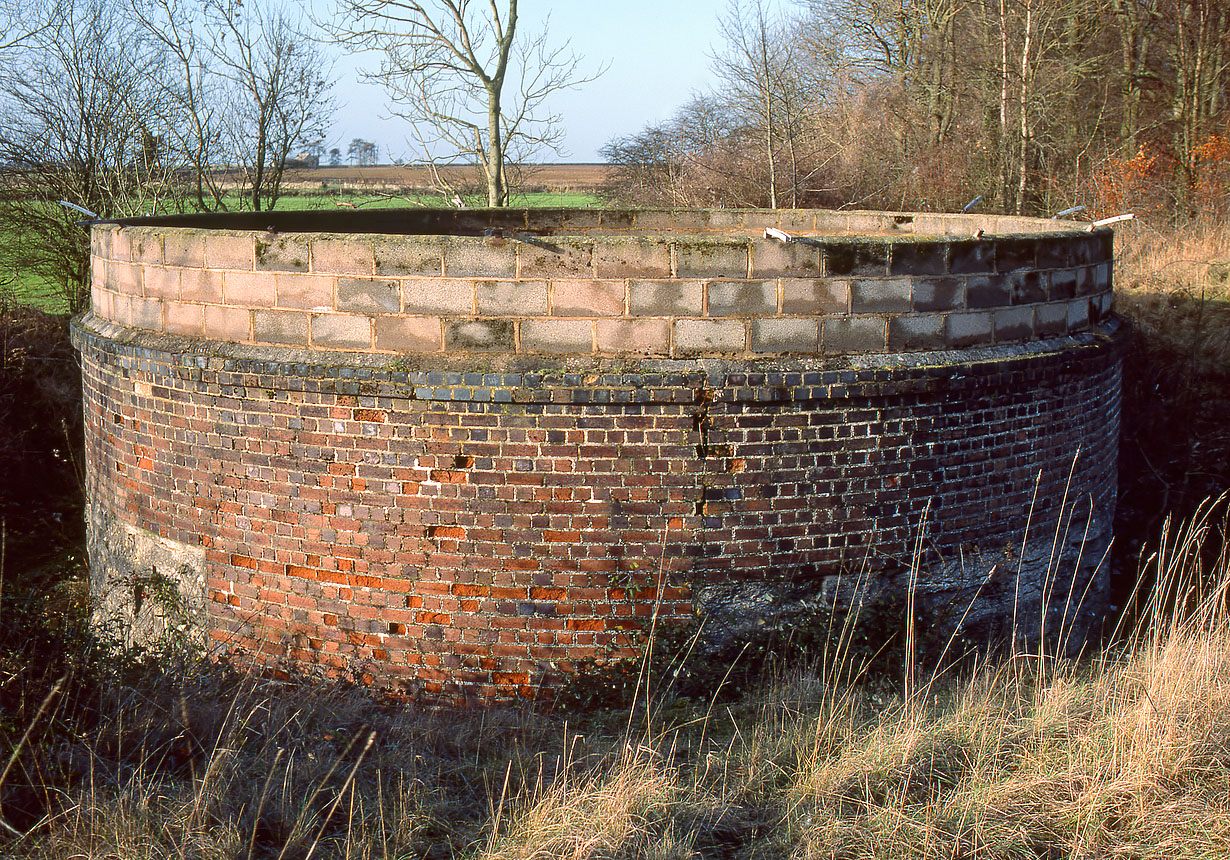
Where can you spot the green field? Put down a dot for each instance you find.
(28, 289)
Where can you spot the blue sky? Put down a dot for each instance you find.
(658, 53)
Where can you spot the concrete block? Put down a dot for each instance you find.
(1051, 319)
(1078, 315)
(633, 337)
(1063, 285)
(968, 329)
(987, 291)
(700, 335)
(183, 318)
(183, 248)
(1016, 255)
(282, 327)
(249, 289)
(231, 324)
(147, 313)
(971, 257)
(409, 334)
(853, 334)
(473, 257)
(145, 247)
(666, 298)
(423, 256)
(343, 257)
(740, 298)
(480, 335)
(438, 296)
(915, 332)
(342, 331)
(585, 298)
(126, 278)
(710, 259)
(200, 285)
(223, 251)
(880, 295)
(918, 258)
(1013, 324)
(366, 295)
(511, 298)
(796, 220)
(631, 257)
(1027, 287)
(1102, 277)
(161, 283)
(558, 337)
(815, 295)
(774, 259)
(544, 258)
(939, 294)
(785, 336)
(860, 259)
(282, 253)
(305, 292)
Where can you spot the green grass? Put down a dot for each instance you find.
(532, 200)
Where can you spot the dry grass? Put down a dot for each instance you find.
(1127, 755)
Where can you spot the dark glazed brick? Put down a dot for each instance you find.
(853, 334)
(918, 258)
(856, 258)
(1027, 288)
(971, 257)
(495, 335)
(916, 332)
(1012, 255)
(987, 291)
(885, 295)
(1063, 285)
(939, 294)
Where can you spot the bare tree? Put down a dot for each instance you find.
(465, 77)
(76, 102)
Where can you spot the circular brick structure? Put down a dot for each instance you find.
(462, 454)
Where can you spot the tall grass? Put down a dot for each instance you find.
(1126, 754)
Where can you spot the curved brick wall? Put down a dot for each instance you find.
(460, 453)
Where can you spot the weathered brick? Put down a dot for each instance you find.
(587, 298)
(563, 337)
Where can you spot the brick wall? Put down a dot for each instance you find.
(472, 532)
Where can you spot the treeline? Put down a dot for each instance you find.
(125, 107)
(1036, 105)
